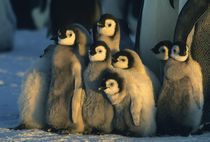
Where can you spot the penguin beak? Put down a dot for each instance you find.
(100, 24)
(92, 52)
(114, 60)
(101, 88)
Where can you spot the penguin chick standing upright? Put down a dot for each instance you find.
(97, 111)
(66, 95)
(161, 51)
(35, 88)
(130, 60)
(180, 103)
(107, 29)
(131, 95)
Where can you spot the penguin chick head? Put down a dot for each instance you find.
(66, 36)
(180, 51)
(162, 49)
(107, 25)
(111, 84)
(99, 51)
(123, 59)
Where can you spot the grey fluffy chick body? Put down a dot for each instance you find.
(66, 94)
(132, 96)
(180, 103)
(97, 110)
(35, 88)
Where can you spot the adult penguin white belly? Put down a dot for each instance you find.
(158, 22)
(196, 13)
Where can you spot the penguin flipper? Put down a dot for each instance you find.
(135, 109)
(78, 95)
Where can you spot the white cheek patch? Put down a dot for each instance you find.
(69, 40)
(108, 31)
(162, 55)
(177, 57)
(121, 64)
(99, 56)
(111, 90)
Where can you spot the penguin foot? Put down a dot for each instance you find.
(19, 127)
(203, 128)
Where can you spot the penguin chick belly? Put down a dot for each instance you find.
(62, 88)
(176, 106)
(97, 110)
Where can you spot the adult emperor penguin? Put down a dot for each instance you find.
(131, 95)
(195, 16)
(33, 97)
(66, 12)
(180, 103)
(97, 110)
(156, 23)
(66, 93)
(129, 60)
(107, 29)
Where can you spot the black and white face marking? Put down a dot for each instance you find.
(111, 84)
(66, 37)
(107, 25)
(98, 51)
(162, 49)
(180, 51)
(123, 60)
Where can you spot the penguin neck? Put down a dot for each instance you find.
(139, 67)
(123, 102)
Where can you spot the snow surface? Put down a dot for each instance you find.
(29, 45)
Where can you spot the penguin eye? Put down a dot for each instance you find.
(175, 51)
(109, 25)
(99, 51)
(70, 34)
(123, 60)
(163, 50)
(112, 84)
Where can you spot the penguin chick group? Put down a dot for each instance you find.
(180, 103)
(111, 94)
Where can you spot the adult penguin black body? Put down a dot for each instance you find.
(196, 13)
(65, 12)
(66, 94)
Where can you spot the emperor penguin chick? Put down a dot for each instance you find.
(129, 60)
(161, 51)
(131, 95)
(66, 94)
(34, 92)
(180, 103)
(107, 29)
(97, 111)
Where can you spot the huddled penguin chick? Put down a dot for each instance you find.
(180, 103)
(97, 111)
(131, 95)
(130, 60)
(161, 51)
(66, 93)
(107, 29)
(33, 97)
